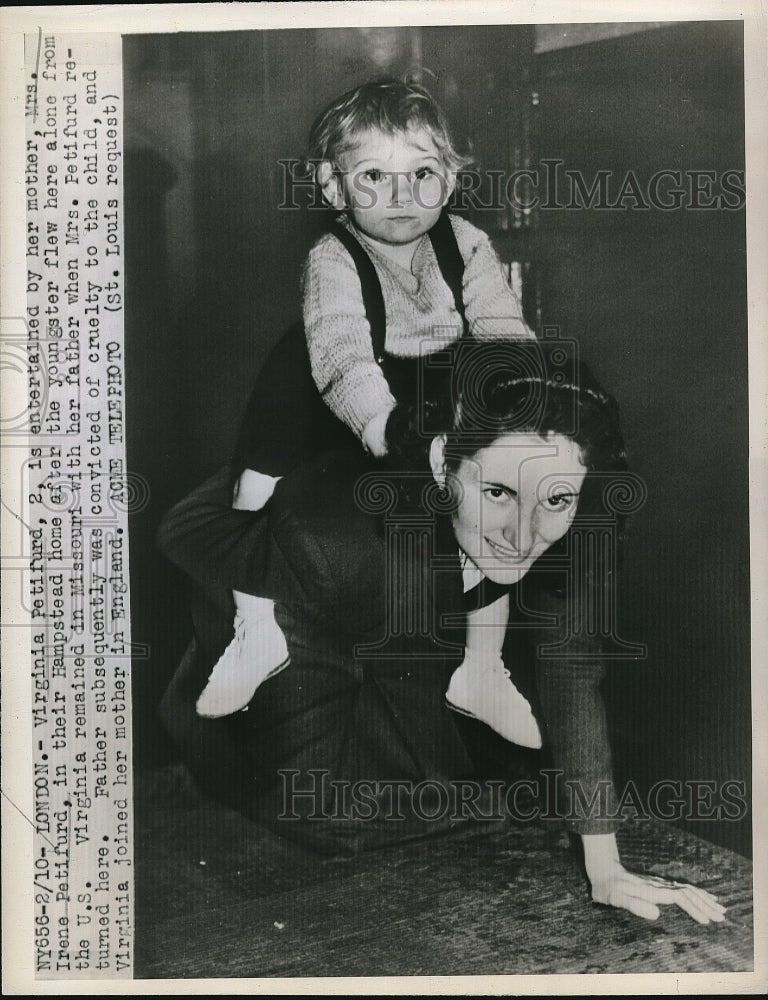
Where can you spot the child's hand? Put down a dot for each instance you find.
(373, 434)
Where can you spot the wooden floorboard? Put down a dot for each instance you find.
(217, 896)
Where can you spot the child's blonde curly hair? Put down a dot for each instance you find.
(391, 107)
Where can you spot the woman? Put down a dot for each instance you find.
(490, 484)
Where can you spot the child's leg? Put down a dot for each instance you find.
(258, 650)
(481, 687)
(253, 489)
(487, 629)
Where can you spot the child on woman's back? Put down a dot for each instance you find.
(385, 161)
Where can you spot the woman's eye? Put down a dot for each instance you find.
(560, 501)
(496, 493)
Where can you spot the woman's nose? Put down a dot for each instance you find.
(519, 532)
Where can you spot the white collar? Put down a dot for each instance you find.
(470, 573)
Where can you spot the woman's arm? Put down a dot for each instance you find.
(577, 734)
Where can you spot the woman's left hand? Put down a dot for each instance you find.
(643, 894)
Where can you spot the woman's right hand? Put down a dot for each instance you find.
(643, 894)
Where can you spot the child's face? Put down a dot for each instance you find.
(394, 186)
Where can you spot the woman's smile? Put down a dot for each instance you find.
(504, 552)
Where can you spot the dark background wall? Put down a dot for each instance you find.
(656, 300)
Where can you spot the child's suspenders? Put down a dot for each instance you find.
(449, 261)
(286, 421)
(402, 374)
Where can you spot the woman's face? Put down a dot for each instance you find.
(515, 498)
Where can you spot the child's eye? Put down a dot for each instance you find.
(423, 172)
(374, 175)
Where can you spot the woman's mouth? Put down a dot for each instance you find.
(503, 552)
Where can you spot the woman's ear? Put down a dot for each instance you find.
(437, 459)
(330, 185)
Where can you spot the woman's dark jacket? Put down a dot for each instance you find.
(369, 595)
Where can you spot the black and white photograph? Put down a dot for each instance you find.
(381, 541)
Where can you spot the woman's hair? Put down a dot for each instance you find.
(476, 393)
(390, 107)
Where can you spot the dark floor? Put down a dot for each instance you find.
(217, 896)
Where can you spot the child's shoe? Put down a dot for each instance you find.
(485, 692)
(257, 652)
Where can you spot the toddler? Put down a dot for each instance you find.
(385, 162)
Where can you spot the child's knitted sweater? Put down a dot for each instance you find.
(421, 314)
